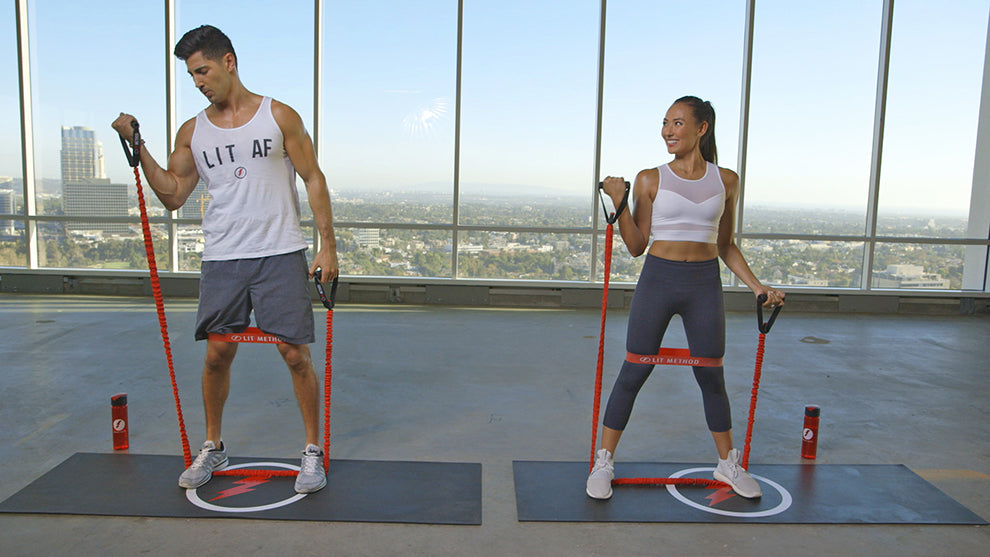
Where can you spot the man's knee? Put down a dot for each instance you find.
(219, 356)
(296, 356)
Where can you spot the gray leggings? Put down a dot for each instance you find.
(692, 290)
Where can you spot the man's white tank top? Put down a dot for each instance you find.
(254, 210)
(688, 210)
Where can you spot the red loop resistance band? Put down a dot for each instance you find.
(673, 357)
(251, 334)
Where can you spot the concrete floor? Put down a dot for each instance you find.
(493, 386)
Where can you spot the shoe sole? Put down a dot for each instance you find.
(314, 489)
(593, 496)
(607, 497)
(220, 466)
(725, 479)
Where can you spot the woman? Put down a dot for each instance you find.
(688, 205)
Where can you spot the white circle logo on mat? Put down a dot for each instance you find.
(785, 496)
(195, 499)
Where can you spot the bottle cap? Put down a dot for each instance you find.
(119, 400)
(812, 411)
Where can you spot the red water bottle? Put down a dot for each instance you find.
(118, 412)
(809, 444)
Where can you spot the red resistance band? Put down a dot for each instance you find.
(251, 335)
(673, 357)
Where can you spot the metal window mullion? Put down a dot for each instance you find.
(317, 94)
(598, 144)
(27, 134)
(582, 230)
(171, 126)
(978, 278)
(456, 213)
(880, 110)
(744, 104)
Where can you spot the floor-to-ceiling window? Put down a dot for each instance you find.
(927, 184)
(387, 147)
(460, 139)
(87, 66)
(656, 53)
(527, 138)
(13, 248)
(810, 140)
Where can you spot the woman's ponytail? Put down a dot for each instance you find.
(703, 112)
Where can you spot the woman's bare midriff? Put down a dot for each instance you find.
(684, 251)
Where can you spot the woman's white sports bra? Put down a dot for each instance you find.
(688, 210)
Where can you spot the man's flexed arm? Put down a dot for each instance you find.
(172, 185)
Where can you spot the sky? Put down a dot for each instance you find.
(529, 72)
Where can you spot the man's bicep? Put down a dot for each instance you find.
(183, 168)
(302, 153)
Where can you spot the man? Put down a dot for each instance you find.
(247, 148)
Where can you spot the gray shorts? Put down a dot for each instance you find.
(274, 287)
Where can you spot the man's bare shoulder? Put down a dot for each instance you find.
(184, 136)
(282, 110)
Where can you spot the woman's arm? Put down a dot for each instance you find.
(634, 224)
(729, 251)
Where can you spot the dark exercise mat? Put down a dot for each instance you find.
(356, 491)
(792, 494)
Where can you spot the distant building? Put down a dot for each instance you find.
(497, 240)
(82, 155)
(908, 276)
(86, 191)
(95, 197)
(797, 280)
(195, 206)
(368, 237)
(6, 208)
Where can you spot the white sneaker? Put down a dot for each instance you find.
(732, 473)
(312, 477)
(209, 459)
(600, 480)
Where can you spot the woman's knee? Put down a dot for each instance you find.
(710, 379)
(632, 377)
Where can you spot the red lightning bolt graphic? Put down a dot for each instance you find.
(720, 495)
(243, 486)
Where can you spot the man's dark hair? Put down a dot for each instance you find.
(206, 39)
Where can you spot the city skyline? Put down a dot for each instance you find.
(372, 249)
(372, 116)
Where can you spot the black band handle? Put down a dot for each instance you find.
(610, 218)
(327, 302)
(133, 158)
(765, 327)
